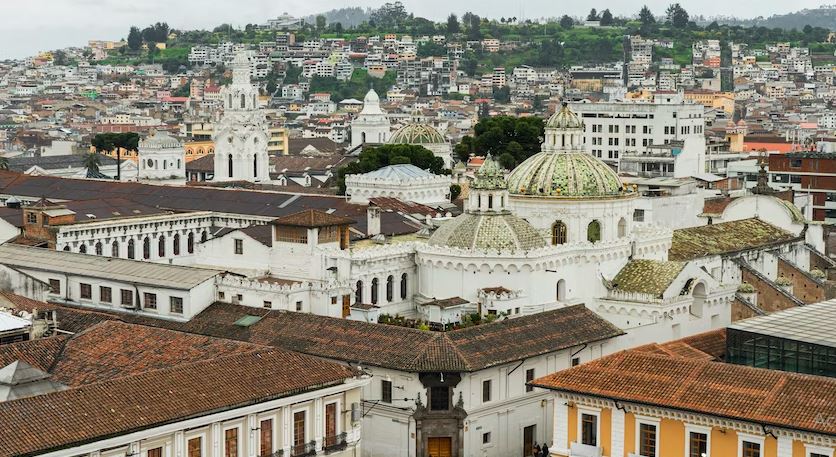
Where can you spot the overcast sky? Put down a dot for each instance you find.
(28, 26)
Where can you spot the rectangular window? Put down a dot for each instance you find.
(105, 294)
(795, 163)
(386, 391)
(298, 428)
(529, 376)
(149, 300)
(239, 246)
(298, 306)
(156, 452)
(589, 429)
(195, 447)
(266, 445)
(486, 390)
(647, 440)
(86, 291)
(697, 444)
(176, 305)
(751, 449)
(127, 297)
(486, 438)
(330, 425)
(576, 361)
(268, 304)
(55, 286)
(231, 442)
(439, 398)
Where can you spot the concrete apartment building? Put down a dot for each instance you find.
(813, 172)
(613, 128)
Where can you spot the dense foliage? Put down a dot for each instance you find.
(390, 154)
(510, 139)
(356, 87)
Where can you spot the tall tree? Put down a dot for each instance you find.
(321, 21)
(566, 22)
(92, 162)
(134, 39)
(677, 15)
(646, 16)
(606, 17)
(593, 15)
(107, 142)
(452, 24)
(499, 135)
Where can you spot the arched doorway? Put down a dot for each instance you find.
(560, 290)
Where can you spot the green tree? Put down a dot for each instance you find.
(455, 191)
(593, 15)
(502, 94)
(338, 27)
(677, 15)
(59, 57)
(498, 135)
(431, 49)
(507, 161)
(134, 39)
(606, 17)
(452, 24)
(92, 162)
(321, 21)
(106, 142)
(388, 154)
(4, 163)
(646, 16)
(566, 22)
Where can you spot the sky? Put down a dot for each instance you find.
(29, 26)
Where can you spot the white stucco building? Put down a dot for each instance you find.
(371, 125)
(161, 157)
(405, 182)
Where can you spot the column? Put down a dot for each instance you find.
(617, 446)
(561, 426)
(287, 427)
(179, 444)
(253, 432)
(319, 422)
(784, 446)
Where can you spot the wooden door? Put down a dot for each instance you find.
(440, 447)
(195, 447)
(330, 424)
(528, 439)
(156, 452)
(266, 437)
(231, 442)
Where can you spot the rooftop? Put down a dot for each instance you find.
(644, 276)
(814, 323)
(312, 218)
(725, 238)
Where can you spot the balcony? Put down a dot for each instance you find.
(335, 443)
(303, 450)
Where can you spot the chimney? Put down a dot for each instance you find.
(372, 220)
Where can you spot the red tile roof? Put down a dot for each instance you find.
(768, 397)
(312, 218)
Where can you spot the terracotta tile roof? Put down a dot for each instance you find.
(724, 238)
(72, 417)
(769, 397)
(312, 218)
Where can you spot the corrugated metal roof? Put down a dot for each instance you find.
(131, 271)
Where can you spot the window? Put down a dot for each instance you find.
(195, 447)
(593, 232)
(647, 440)
(146, 248)
(486, 390)
(486, 438)
(266, 432)
(31, 218)
(114, 249)
(86, 291)
(149, 300)
(404, 277)
(131, 250)
(529, 376)
(589, 429)
(559, 233)
(55, 286)
(795, 163)
(638, 215)
(750, 449)
(374, 291)
(358, 293)
(82, 249)
(176, 244)
(239, 246)
(576, 361)
(231, 442)
(697, 444)
(298, 306)
(190, 243)
(268, 304)
(127, 297)
(99, 248)
(176, 305)
(331, 425)
(390, 288)
(105, 295)
(386, 391)
(439, 398)
(156, 452)
(161, 246)
(299, 428)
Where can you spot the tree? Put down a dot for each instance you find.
(430, 48)
(388, 154)
(321, 22)
(4, 163)
(498, 135)
(677, 15)
(59, 57)
(338, 27)
(134, 39)
(473, 27)
(507, 161)
(106, 142)
(606, 17)
(593, 15)
(455, 191)
(646, 16)
(502, 94)
(452, 24)
(92, 162)
(566, 22)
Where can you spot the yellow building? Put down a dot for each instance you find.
(676, 400)
(712, 99)
(278, 142)
(124, 154)
(198, 148)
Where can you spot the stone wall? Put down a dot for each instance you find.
(804, 287)
(740, 311)
(770, 299)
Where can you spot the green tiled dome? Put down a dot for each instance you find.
(504, 232)
(564, 118)
(490, 176)
(564, 174)
(416, 134)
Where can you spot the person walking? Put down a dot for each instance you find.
(545, 450)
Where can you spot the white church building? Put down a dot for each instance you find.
(371, 125)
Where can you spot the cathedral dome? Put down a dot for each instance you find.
(564, 118)
(417, 134)
(564, 174)
(504, 232)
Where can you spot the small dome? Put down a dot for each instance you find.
(504, 232)
(564, 174)
(371, 97)
(564, 118)
(490, 176)
(417, 134)
(160, 140)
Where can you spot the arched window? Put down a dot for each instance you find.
(146, 248)
(404, 286)
(161, 246)
(67, 248)
(374, 290)
(255, 165)
(204, 236)
(593, 232)
(176, 247)
(390, 288)
(363, 137)
(229, 104)
(622, 228)
(358, 294)
(229, 164)
(99, 248)
(131, 249)
(190, 243)
(559, 235)
(560, 290)
(243, 101)
(114, 249)
(82, 249)
(490, 201)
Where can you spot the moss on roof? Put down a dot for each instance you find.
(727, 237)
(647, 276)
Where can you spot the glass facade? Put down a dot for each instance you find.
(775, 353)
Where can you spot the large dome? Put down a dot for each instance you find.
(564, 118)
(417, 134)
(564, 174)
(504, 232)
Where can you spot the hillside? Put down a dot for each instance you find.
(823, 16)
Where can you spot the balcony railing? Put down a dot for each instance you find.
(303, 450)
(335, 443)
